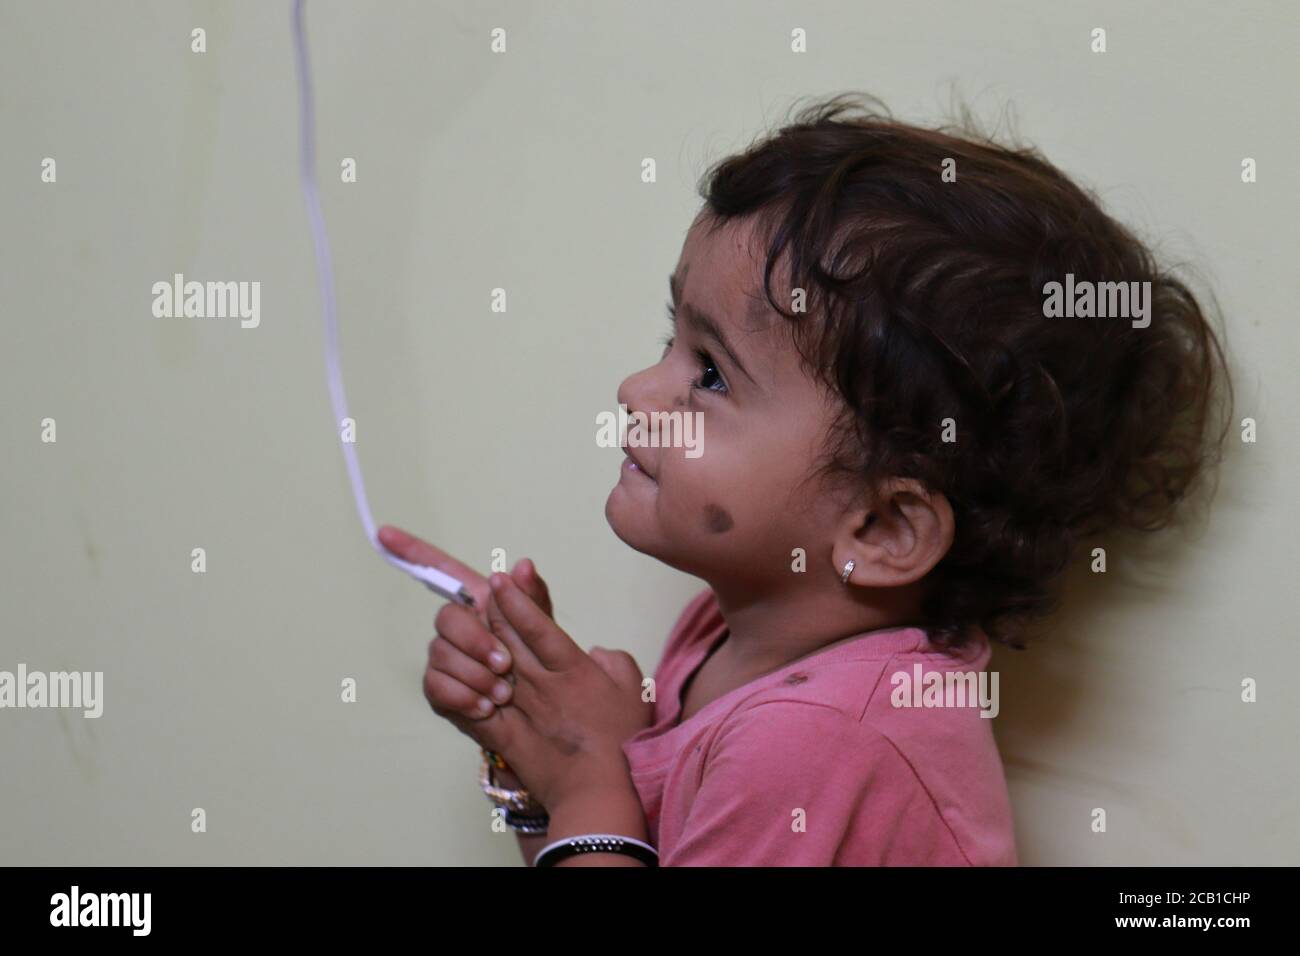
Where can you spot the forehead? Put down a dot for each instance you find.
(727, 259)
(721, 271)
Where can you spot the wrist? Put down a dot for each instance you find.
(612, 807)
(595, 773)
(505, 777)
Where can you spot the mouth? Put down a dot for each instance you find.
(632, 464)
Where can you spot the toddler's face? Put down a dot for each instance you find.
(732, 515)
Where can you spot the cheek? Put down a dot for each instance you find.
(701, 494)
(717, 520)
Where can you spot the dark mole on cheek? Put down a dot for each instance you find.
(716, 519)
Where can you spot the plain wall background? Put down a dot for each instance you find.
(522, 171)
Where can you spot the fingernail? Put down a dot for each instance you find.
(484, 705)
(498, 659)
(494, 582)
(501, 691)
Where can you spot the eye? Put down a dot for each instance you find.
(710, 368)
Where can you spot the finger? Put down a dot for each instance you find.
(466, 630)
(552, 647)
(535, 588)
(450, 660)
(526, 576)
(417, 551)
(523, 661)
(445, 693)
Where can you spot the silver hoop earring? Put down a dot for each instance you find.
(848, 569)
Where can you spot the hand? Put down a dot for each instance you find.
(461, 672)
(410, 548)
(570, 712)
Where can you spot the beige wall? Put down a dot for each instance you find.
(522, 171)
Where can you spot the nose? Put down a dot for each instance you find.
(642, 391)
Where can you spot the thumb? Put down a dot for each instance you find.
(619, 665)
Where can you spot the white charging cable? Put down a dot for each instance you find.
(443, 584)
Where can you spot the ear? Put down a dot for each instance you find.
(897, 538)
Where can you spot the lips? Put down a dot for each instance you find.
(640, 466)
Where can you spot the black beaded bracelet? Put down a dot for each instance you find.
(597, 843)
(526, 824)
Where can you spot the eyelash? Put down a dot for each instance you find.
(705, 359)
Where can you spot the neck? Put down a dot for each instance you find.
(772, 629)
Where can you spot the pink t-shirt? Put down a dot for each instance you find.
(812, 765)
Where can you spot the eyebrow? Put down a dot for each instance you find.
(705, 324)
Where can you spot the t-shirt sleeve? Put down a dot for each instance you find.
(790, 783)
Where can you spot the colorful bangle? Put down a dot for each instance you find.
(519, 801)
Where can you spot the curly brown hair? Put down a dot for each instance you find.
(931, 298)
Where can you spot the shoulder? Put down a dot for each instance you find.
(789, 733)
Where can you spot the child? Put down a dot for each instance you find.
(907, 434)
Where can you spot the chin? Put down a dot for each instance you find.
(617, 518)
(649, 542)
